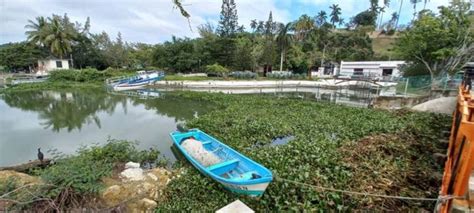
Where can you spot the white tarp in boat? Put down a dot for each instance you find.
(197, 151)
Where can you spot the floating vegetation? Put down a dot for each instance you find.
(327, 148)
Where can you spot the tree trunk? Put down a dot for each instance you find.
(399, 11)
(281, 61)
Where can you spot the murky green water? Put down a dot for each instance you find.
(66, 120)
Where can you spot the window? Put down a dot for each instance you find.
(59, 64)
(358, 71)
(387, 72)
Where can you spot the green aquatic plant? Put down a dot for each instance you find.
(314, 157)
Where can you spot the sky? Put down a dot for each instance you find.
(155, 21)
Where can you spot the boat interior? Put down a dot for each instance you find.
(232, 166)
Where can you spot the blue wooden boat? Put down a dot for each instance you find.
(235, 172)
(138, 81)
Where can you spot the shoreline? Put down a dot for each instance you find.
(332, 83)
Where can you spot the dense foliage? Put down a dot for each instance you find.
(73, 180)
(299, 45)
(249, 123)
(442, 43)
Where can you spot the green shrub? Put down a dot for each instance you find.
(80, 176)
(216, 69)
(85, 75)
(244, 75)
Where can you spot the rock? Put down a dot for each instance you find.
(132, 174)
(132, 165)
(152, 176)
(445, 105)
(139, 195)
(147, 204)
(20, 178)
(112, 195)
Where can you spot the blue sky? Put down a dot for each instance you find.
(154, 21)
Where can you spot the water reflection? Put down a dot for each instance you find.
(65, 120)
(66, 109)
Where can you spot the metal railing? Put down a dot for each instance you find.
(460, 156)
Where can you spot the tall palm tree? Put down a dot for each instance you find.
(424, 4)
(386, 3)
(414, 2)
(58, 38)
(37, 30)
(399, 12)
(283, 40)
(303, 26)
(321, 18)
(253, 24)
(335, 14)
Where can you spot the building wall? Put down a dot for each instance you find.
(49, 65)
(370, 68)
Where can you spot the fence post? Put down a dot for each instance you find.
(406, 86)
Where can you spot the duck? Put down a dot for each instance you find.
(40, 155)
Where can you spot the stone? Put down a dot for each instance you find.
(132, 174)
(152, 176)
(132, 165)
(235, 207)
(147, 204)
(113, 195)
(20, 178)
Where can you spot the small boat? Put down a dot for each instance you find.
(138, 81)
(235, 172)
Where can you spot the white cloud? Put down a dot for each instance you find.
(153, 21)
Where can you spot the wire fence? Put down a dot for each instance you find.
(424, 85)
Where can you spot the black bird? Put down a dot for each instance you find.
(40, 155)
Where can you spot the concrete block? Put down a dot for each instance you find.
(235, 207)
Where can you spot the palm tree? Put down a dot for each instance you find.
(414, 2)
(335, 14)
(321, 18)
(58, 38)
(303, 26)
(283, 41)
(37, 32)
(386, 3)
(253, 24)
(399, 12)
(424, 5)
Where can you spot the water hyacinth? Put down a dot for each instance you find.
(323, 134)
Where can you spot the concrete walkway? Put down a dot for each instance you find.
(271, 83)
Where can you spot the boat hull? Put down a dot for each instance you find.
(255, 188)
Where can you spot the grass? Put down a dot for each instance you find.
(393, 148)
(383, 46)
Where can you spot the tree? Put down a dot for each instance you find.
(20, 56)
(414, 2)
(37, 31)
(386, 3)
(283, 40)
(365, 18)
(228, 23)
(321, 18)
(303, 26)
(253, 24)
(335, 14)
(268, 53)
(59, 38)
(399, 12)
(442, 43)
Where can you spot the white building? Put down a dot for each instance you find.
(382, 70)
(47, 65)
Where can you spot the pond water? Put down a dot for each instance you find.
(66, 120)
